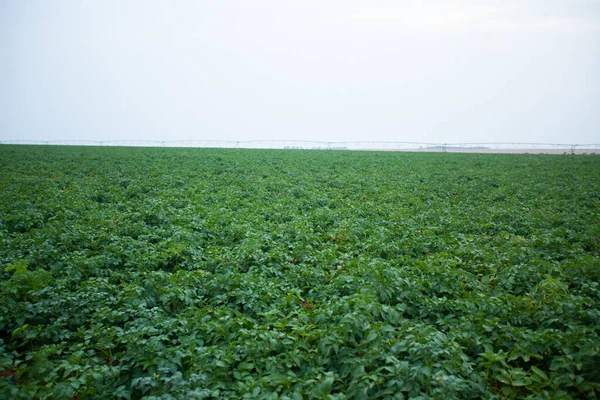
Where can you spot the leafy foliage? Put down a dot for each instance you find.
(200, 273)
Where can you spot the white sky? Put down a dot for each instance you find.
(432, 71)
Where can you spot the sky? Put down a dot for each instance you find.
(454, 71)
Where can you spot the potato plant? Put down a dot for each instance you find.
(262, 274)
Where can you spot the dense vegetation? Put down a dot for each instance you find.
(263, 274)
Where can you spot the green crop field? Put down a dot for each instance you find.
(265, 274)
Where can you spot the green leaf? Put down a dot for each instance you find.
(324, 387)
(539, 372)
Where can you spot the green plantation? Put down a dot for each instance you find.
(271, 274)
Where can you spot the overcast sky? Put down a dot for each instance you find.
(335, 70)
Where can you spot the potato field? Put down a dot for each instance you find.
(172, 273)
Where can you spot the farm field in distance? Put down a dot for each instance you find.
(172, 273)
